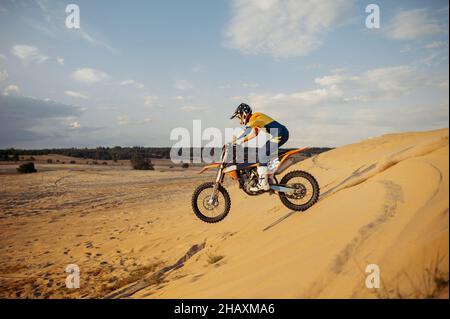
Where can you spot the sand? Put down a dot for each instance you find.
(132, 233)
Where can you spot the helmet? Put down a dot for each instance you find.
(242, 111)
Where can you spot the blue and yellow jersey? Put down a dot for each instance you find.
(260, 121)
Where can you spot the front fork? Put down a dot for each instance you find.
(219, 179)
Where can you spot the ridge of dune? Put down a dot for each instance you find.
(384, 201)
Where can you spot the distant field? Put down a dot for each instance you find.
(74, 163)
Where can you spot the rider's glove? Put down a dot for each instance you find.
(239, 141)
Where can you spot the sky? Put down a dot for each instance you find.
(136, 70)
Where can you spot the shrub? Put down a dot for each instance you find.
(105, 163)
(212, 259)
(73, 162)
(95, 162)
(26, 168)
(139, 162)
(185, 165)
(49, 161)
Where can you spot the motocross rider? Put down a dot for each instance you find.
(254, 123)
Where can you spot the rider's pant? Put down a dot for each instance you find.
(279, 136)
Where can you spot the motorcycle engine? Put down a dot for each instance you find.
(248, 179)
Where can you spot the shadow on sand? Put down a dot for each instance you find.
(280, 220)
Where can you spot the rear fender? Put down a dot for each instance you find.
(288, 160)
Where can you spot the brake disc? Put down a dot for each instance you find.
(299, 193)
(207, 205)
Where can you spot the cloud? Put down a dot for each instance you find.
(95, 42)
(3, 75)
(413, 117)
(250, 85)
(351, 106)
(150, 100)
(28, 53)
(341, 89)
(76, 95)
(22, 106)
(198, 68)
(443, 85)
(377, 83)
(127, 82)
(183, 98)
(60, 60)
(53, 20)
(11, 89)
(26, 119)
(132, 83)
(391, 81)
(183, 85)
(437, 54)
(75, 125)
(413, 24)
(146, 120)
(123, 119)
(334, 79)
(89, 76)
(191, 108)
(436, 45)
(436, 57)
(282, 28)
(294, 100)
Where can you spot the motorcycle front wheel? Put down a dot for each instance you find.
(207, 210)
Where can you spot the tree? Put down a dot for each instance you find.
(139, 162)
(26, 168)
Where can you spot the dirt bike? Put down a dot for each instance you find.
(298, 190)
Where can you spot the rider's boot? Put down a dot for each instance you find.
(263, 183)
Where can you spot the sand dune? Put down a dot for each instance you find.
(384, 201)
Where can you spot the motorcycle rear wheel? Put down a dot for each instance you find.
(311, 189)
